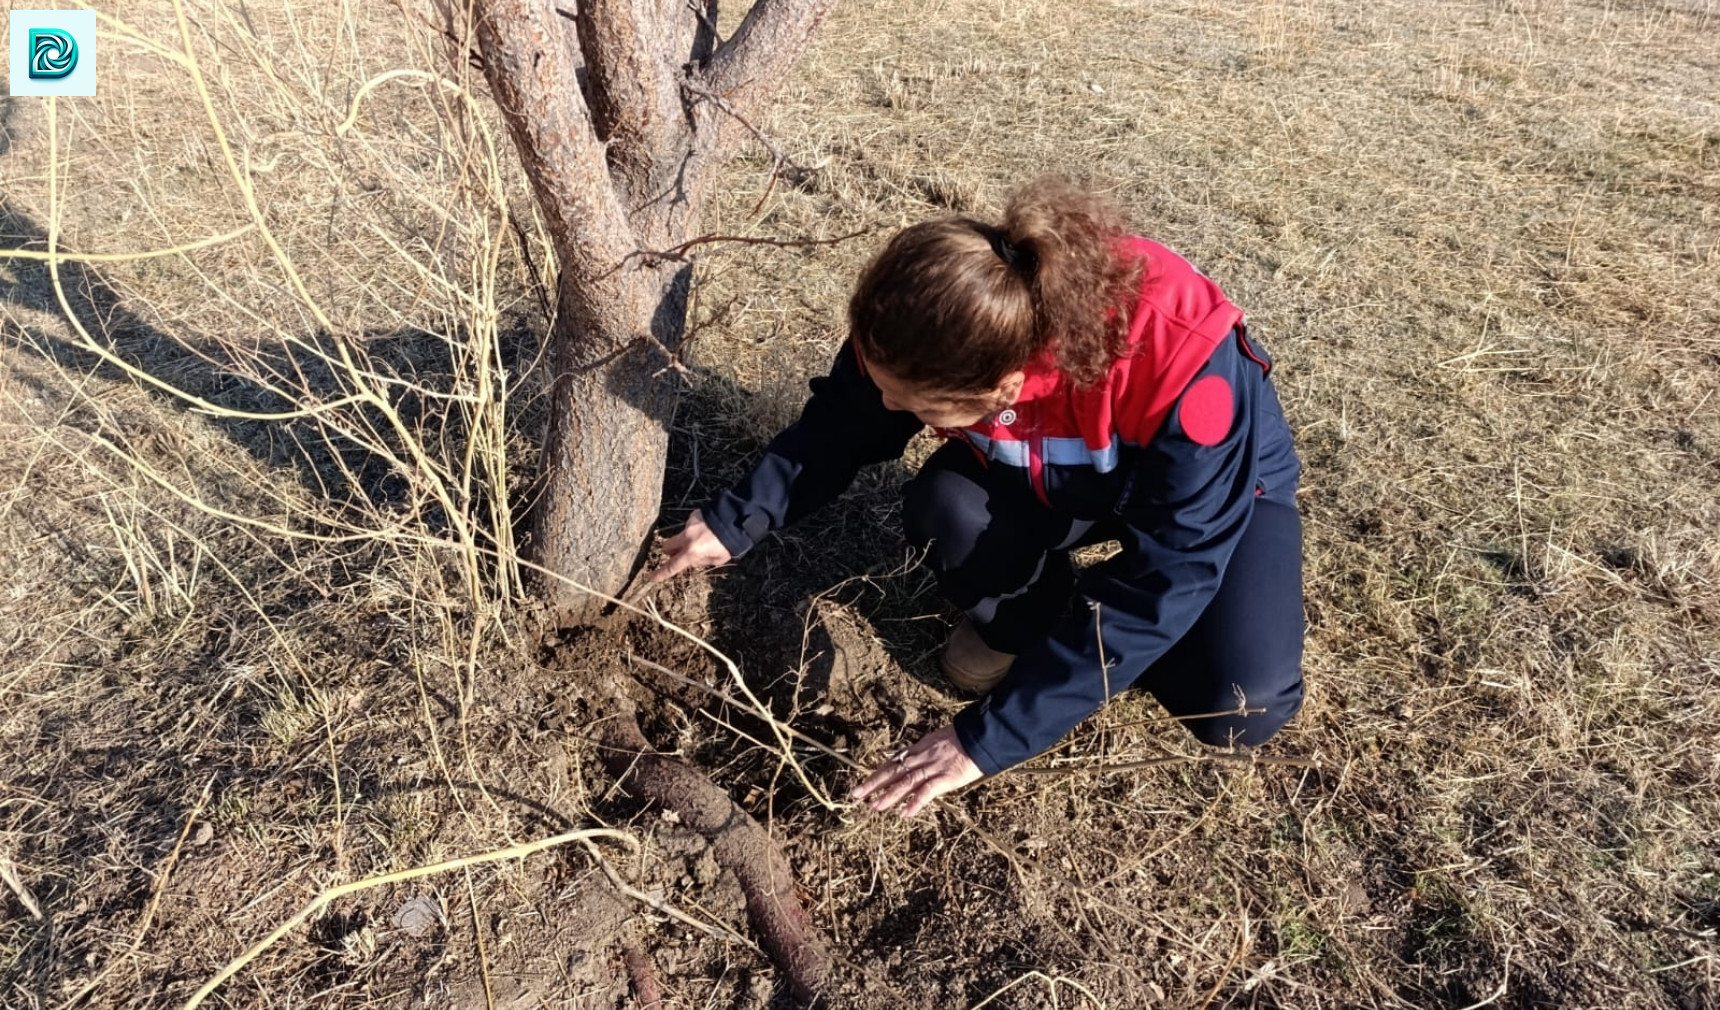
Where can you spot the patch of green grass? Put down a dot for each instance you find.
(1300, 940)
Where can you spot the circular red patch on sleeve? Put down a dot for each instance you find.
(1206, 411)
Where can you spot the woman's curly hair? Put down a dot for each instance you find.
(956, 305)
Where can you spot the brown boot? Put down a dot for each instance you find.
(969, 663)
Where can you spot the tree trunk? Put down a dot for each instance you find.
(606, 445)
(611, 396)
(620, 136)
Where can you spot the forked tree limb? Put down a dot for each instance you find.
(705, 38)
(745, 72)
(748, 67)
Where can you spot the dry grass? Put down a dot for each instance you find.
(1479, 238)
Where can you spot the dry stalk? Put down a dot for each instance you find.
(712, 930)
(778, 726)
(1051, 984)
(1244, 942)
(69, 257)
(754, 703)
(478, 932)
(9, 874)
(335, 893)
(483, 467)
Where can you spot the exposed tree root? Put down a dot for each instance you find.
(644, 980)
(738, 842)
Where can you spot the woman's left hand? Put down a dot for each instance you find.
(930, 768)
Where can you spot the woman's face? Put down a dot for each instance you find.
(944, 410)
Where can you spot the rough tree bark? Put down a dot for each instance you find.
(622, 111)
(620, 135)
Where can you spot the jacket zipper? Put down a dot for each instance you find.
(1036, 466)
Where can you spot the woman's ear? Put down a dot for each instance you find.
(1010, 388)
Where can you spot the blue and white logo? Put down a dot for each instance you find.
(53, 53)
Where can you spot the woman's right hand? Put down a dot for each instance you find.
(694, 547)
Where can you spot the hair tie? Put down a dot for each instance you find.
(1009, 254)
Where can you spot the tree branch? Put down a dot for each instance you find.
(678, 253)
(534, 77)
(705, 38)
(634, 102)
(748, 68)
(779, 158)
(736, 84)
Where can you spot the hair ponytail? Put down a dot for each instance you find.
(956, 305)
(1082, 288)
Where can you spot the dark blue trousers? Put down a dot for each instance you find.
(1003, 557)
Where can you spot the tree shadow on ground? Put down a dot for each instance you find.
(260, 377)
(852, 550)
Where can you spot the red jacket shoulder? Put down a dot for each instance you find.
(1179, 319)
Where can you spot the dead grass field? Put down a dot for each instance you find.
(245, 658)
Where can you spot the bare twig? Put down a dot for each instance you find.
(1051, 983)
(483, 955)
(717, 692)
(678, 252)
(1244, 942)
(779, 157)
(713, 930)
(710, 25)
